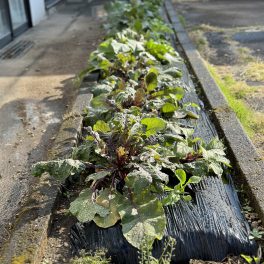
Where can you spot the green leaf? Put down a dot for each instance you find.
(156, 173)
(248, 259)
(85, 209)
(173, 71)
(184, 113)
(138, 25)
(101, 126)
(171, 198)
(153, 124)
(106, 47)
(100, 102)
(138, 180)
(192, 115)
(151, 79)
(119, 47)
(194, 179)
(59, 169)
(181, 175)
(108, 201)
(101, 88)
(187, 198)
(182, 150)
(168, 108)
(216, 168)
(142, 215)
(98, 175)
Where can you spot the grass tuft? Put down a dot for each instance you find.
(243, 112)
(254, 71)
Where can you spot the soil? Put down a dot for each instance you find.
(58, 247)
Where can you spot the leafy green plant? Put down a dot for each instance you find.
(146, 256)
(256, 234)
(136, 155)
(250, 260)
(99, 257)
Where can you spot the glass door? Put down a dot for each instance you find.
(5, 26)
(14, 19)
(19, 16)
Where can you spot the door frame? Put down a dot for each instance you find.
(16, 32)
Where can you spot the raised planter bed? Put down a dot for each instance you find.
(153, 169)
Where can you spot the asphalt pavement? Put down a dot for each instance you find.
(245, 18)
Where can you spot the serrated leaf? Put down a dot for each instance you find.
(85, 209)
(101, 126)
(153, 124)
(60, 169)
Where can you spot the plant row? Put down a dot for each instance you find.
(137, 154)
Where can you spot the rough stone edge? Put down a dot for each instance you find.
(28, 238)
(243, 153)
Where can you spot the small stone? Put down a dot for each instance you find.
(254, 224)
(261, 228)
(65, 244)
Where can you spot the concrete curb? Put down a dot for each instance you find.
(248, 164)
(29, 237)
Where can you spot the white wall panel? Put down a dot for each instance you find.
(38, 11)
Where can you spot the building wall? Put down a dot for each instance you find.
(38, 11)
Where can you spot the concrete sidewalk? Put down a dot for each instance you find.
(35, 91)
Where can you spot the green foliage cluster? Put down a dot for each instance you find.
(137, 155)
(99, 257)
